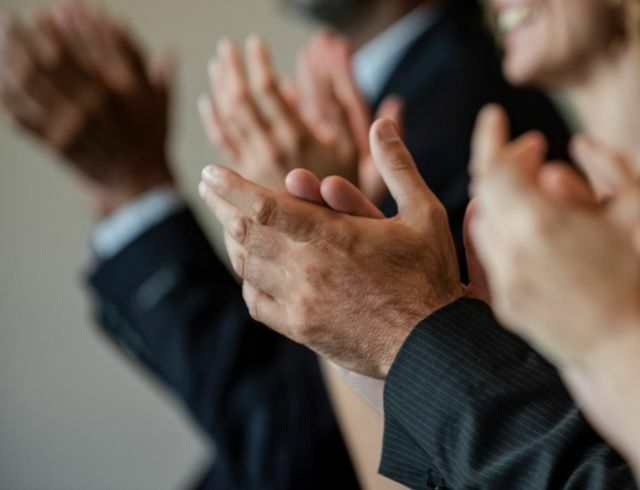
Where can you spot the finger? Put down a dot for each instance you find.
(312, 97)
(253, 238)
(392, 107)
(265, 309)
(338, 59)
(285, 125)
(635, 238)
(289, 92)
(564, 185)
(490, 135)
(370, 180)
(261, 273)
(236, 103)
(121, 66)
(27, 88)
(215, 130)
(341, 119)
(514, 168)
(607, 170)
(303, 184)
(478, 284)
(70, 31)
(281, 212)
(344, 197)
(400, 174)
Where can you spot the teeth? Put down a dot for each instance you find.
(514, 17)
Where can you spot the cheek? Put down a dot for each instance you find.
(559, 43)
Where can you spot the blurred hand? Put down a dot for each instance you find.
(349, 287)
(267, 127)
(560, 274)
(79, 83)
(565, 273)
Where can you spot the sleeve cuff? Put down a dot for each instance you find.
(119, 230)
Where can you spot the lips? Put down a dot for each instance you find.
(513, 17)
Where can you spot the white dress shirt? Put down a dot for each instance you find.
(373, 65)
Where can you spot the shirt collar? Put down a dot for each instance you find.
(373, 63)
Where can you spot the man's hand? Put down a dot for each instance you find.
(350, 288)
(79, 83)
(267, 127)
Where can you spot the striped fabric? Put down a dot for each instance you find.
(470, 406)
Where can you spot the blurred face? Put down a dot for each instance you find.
(552, 42)
(333, 12)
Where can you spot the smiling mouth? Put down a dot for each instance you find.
(514, 17)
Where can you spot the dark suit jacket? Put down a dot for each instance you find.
(170, 303)
(172, 306)
(470, 406)
(467, 405)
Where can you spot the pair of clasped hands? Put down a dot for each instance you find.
(553, 250)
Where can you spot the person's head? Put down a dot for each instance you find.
(332, 12)
(554, 42)
(343, 14)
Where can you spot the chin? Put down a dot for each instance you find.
(524, 71)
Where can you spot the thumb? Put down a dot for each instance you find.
(478, 283)
(490, 135)
(370, 179)
(400, 174)
(392, 108)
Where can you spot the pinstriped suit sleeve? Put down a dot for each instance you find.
(470, 406)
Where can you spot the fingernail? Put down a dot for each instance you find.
(224, 46)
(202, 190)
(387, 130)
(211, 175)
(489, 113)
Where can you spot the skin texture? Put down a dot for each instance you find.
(266, 127)
(305, 267)
(79, 83)
(565, 274)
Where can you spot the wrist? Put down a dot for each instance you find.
(106, 197)
(410, 319)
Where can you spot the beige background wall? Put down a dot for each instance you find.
(73, 415)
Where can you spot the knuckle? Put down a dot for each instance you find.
(238, 262)
(25, 73)
(398, 159)
(238, 229)
(239, 97)
(276, 155)
(436, 214)
(251, 301)
(265, 210)
(266, 86)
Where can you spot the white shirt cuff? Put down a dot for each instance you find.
(115, 233)
(371, 390)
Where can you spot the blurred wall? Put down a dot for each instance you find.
(74, 414)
